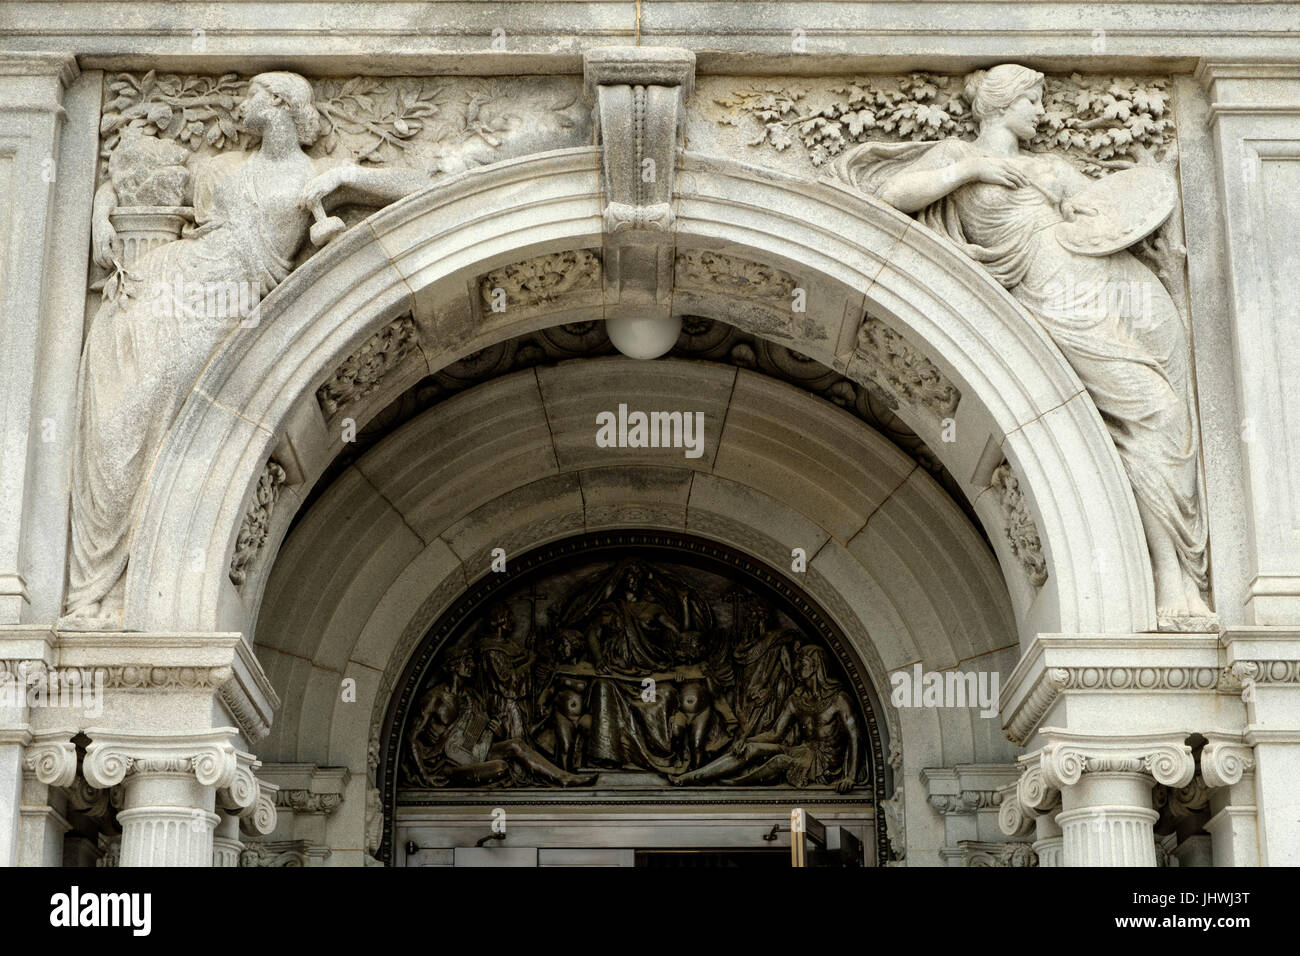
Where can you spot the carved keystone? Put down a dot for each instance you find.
(639, 95)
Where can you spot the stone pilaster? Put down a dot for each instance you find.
(968, 797)
(1255, 118)
(31, 119)
(1264, 665)
(1105, 782)
(1228, 768)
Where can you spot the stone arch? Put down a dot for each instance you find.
(1020, 401)
(399, 535)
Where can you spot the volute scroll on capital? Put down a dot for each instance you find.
(1225, 760)
(111, 758)
(52, 757)
(1064, 762)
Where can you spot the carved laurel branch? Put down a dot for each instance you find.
(379, 116)
(1021, 531)
(363, 371)
(1098, 122)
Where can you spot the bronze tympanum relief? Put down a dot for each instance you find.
(633, 664)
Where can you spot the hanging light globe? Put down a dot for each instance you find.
(644, 337)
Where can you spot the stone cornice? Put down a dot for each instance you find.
(547, 37)
(221, 662)
(1056, 664)
(62, 65)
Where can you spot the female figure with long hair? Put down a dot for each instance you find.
(152, 336)
(1110, 316)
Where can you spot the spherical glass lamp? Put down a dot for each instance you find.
(644, 337)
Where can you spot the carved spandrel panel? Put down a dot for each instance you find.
(634, 668)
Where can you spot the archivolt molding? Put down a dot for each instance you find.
(252, 395)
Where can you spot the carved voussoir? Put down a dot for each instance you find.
(256, 525)
(365, 369)
(899, 372)
(1021, 531)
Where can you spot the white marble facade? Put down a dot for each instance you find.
(1055, 259)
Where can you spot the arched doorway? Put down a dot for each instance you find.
(898, 571)
(624, 668)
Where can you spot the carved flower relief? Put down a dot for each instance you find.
(1022, 533)
(257, 521)
(363, 370)
(702, 269)
(902, 372)
(539, 280)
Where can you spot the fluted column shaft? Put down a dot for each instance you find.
(1048, 840)
(226, 844)
(1107, 820)
(168, 820)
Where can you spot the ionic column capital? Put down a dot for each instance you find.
(1068, 756)
(210, 757)
(1225, 759)
(1028, 799)
(52, 758)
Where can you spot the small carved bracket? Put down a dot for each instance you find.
(639, 95)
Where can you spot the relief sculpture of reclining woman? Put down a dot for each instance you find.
(1057, 241)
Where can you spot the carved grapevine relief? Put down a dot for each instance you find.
(362, 371)
(1021, 530)
(901, 372)
(257, 520)
(540, 280)
(1099, 123)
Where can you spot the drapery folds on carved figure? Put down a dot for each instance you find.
(1020, 215)
(165, 313)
